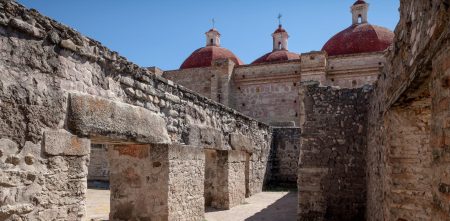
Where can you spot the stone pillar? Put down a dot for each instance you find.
(221, 82)
(65, 177)
(156, 182)
(225, 185)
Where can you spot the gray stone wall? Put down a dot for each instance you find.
(413, 81)
(332, 166)
(70, 89)
(283, 157)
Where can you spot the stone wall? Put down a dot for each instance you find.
(98, 169)
(283, 157)
(412, 83)
(440, 136)
(332, 166)
(267, 92)
(408, 161)
(196, 79)
(70, 89)
(354, 71)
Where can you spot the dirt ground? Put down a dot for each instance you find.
(265, 206)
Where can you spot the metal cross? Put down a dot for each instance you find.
(213, 23)
(279, 18)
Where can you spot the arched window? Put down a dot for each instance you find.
(279, 45)
(359, 19)
(212, 41)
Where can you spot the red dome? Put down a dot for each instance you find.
(359, 38)
(203, 57)
(280, 55)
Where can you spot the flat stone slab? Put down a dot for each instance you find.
(103, 119)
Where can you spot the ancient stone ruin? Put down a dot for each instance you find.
(355, 152)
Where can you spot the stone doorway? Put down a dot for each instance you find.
(98, 193)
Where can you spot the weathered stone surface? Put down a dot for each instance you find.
(63, 143)
(331, 173)
(37, 82)
(166, 181)
(25, 27)
(226, 178)
(283, 158)
(240, 142)
(407, 119)
(94, 116)
(205, 137)
(68, 44)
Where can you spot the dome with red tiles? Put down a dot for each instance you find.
(359, 38)
(279, 55)
(203, 57)
(280, 50)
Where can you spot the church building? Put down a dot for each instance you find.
(268, 88)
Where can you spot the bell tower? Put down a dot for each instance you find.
(359, 12)
(213, 36)
(280, 37)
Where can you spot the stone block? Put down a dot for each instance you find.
(110, 120)
(63, 143)
(205, 137)
(165, 180)
(240, 142)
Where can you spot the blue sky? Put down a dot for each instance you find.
(163, 33)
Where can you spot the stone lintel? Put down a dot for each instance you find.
(99, 117)
(240, 142)
(205, 137)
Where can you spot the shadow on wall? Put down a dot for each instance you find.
(278, 210)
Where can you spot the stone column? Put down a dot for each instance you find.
(64, 192)
(225, 184)
(156, 182)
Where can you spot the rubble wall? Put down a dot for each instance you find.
(332, 165)
(283, 157)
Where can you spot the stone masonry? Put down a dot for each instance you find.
(283, 158)
(332, 167)
(407, 157)
(61, 91)
(366, 153)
